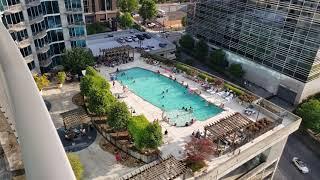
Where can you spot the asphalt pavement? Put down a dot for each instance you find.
(296, 147)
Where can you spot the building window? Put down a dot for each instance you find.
(20, 35)
(76, 31)
(72, 5)
(38, 27)
(57, 48)
(13, 18)
(75, 19)
(55, 35)
(50, 7)
(53, 21)
(26, 51)
(31, 65)
(34, 12)
(78, 43)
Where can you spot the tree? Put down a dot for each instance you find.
(77, 59)
(144, 133)
(99, 101)
(136, 126)
(127, 5)
(61, 77)
(92, 81)
(126, 20)
(41, 81)
(186, 42)
(153, 135)
(217, 58)
(199, 149)
(236, 70)
(76, 165)
(147, 10)
(201, 49)
(91, 71)
(310, 114)
(118, 116)
(184, 21)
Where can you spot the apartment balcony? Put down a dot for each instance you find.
(79, 37)
(46, 62)
(30, 3)
(24, 43)
(74, 10)
(43, 49)
(12, 9)
(73, 24)
(28, 58)
(36, 19)
(17, 27)
(40, 34)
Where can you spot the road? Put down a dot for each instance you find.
(295, 147)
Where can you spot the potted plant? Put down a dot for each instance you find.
(61, 78)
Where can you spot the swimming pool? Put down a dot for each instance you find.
(168, 95)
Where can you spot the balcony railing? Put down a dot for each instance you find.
(24, 43)
(17, 27)
(74, 10)
(40, 34)
(46, 62)
(29, 58)
(72, 24)
(13, 8)
(38, 138)
(43, 49)
(31, 3)
(36, 19)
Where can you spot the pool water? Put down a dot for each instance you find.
(168, 95)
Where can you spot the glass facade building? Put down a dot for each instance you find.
(282, 35)
(43, 29)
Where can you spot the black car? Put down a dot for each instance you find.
(162, 45)
(140, 37)
(147, 36)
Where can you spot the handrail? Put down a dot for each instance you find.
(42, 151)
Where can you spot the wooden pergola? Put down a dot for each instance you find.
(116, 52)
(229, 129)
(75, 117)
(164, 169)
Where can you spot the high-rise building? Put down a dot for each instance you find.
(100, 10)
(276, 41)
(44, 29)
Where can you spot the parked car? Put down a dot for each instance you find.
(300, 165)
(162, 45)
(140, 37)
(128, 39)
(121, 40)
(146, 35)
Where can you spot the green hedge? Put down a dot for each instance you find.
(238, 92)
(186, 69)
(204, 76)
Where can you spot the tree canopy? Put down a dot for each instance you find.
(41, 81)
(148, 10)
(76, 165)
(126, 20)
(217, 58)
(187, 42)
(92, 79)
(199, 149)
(100, 101)
(127, 5)
(144, 133)
(236, 70)
(310, 113)
(77, 59)
(118, 116)
(201, 49)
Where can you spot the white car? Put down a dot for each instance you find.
(300, 165)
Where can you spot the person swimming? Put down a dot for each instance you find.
(167, 90)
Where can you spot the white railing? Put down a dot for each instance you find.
(42, 151)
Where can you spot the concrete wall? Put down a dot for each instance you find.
(267, 78)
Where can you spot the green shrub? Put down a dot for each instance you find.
(61, 77)
(144, 133)
(204, 76)
(186, 69)
(76, 165)
(91, 71)
(310, 113)
(119, 116)
(195, 165)
(238, 92)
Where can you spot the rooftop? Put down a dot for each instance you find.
(109, 40)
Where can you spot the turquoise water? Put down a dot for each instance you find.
(168, 95)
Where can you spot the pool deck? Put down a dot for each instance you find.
(177, 136)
